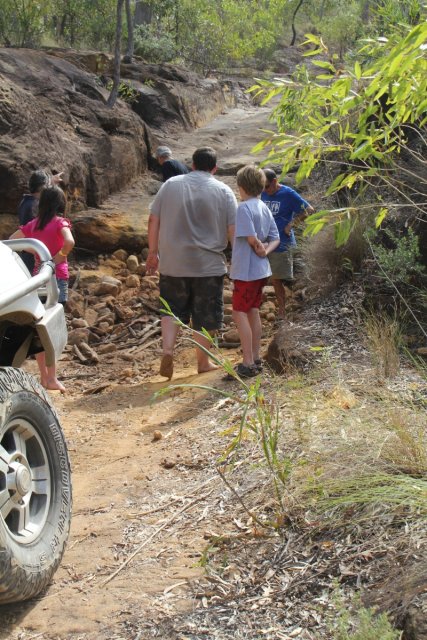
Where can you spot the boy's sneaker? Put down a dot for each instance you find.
(258, 364)
(243, 372)
(246, 372)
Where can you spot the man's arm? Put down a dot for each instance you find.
(152, 262)
(230, 233)
(16, 235)
(298, 218)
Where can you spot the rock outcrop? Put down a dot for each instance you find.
(53, 115)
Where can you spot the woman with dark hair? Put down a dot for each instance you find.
(55, 232)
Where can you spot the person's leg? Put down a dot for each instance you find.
(282, 271)
(204, 363)
(52, 381)
(254, 319)
(245, 334)
(207, 311)
(48, 374)
(174, 291)
(169, 333)
(279, 290)
(41, 361)
(247, 298)
(63, 291)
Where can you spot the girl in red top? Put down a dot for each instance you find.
(54, 231)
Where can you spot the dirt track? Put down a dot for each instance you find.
(120, 474)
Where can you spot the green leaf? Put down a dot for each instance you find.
(380, 217)
(395, 65)
(335, 184)
(324, 65)
(315, 52)
(357, 70)
(342, 231)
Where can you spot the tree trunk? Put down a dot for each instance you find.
(128, 57)
(294, 33)
(322, 10)
(143, 12)
(365, 15)
(116, 73)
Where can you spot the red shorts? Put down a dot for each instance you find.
(248, 295)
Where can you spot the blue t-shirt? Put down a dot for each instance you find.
(253, 218)
(285, 204)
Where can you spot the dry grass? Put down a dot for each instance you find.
(327, 266)
(383, 335)
(406, 449)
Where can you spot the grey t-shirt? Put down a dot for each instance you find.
(253, 218)
(195, 211)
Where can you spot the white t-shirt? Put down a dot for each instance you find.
(253, 218)
(195, 211)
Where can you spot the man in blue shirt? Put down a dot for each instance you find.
(288, 209)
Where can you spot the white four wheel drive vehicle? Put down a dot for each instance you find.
(35, 479)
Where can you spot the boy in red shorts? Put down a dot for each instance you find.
(255, 237)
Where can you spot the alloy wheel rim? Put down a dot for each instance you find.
(25, 481)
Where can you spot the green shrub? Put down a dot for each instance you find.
(154, 45)
(365, 625)
(401, 262)
(359, 622)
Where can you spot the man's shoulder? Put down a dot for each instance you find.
(180, 165)
(285, 190)
(223, 187)
(177, 164)
(211, 180)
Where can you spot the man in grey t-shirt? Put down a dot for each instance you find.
(191, 221)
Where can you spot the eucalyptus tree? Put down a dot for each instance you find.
(23, 22)
(358, 120)
(117, 52)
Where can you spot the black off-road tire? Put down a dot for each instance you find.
(35, 487)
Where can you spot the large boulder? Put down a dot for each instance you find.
(294, 348)
(54, 116)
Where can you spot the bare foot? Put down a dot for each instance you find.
(209, 367)
(166, 366)
(53, 384)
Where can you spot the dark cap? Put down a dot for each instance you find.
(38, 179)
(270, 174)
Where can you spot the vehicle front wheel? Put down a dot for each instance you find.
(35, 487)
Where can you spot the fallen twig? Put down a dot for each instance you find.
(234, 492)
(157, 531)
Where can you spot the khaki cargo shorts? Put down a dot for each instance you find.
(282, 265)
